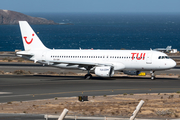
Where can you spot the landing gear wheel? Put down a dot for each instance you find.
(152, 75)
(153, 78)
(88, 76)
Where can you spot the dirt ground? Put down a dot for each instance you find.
(157, 105)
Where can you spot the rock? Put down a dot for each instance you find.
(8, 17)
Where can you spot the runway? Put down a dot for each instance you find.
(32, 87)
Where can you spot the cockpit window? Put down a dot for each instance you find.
(163, 57)
(167, 57)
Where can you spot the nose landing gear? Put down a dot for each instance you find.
(152, 75)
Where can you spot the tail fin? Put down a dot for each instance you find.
(30, 40)
(168, 47)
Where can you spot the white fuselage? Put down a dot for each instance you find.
(120, 59)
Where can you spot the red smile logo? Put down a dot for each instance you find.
(25, 38)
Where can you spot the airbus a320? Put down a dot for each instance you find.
(103, 63)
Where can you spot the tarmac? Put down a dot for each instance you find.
(33, 87)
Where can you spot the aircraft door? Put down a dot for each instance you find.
(149, 58)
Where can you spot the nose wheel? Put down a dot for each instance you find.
(152, 75)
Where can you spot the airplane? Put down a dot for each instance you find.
(102, 63)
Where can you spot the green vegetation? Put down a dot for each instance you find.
(178, 92)
(125, 94)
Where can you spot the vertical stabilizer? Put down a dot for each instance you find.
(30, 40)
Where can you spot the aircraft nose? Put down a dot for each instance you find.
(172, 64)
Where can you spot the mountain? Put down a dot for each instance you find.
(8, 17)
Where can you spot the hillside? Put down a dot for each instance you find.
(8, 17)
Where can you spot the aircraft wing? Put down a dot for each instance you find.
(80, 63)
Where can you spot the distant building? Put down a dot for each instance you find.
(173, 51)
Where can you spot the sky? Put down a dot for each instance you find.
(91, 6)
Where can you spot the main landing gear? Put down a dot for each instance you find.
(88, 75)
(152, 75)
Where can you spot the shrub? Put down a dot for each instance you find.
(1, 72)
(20, 72)
(125, 94)
(9, 102)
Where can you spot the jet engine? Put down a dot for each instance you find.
(131, 72)
(105, 71)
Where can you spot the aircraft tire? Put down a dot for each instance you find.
(88, 76)
(153, 78)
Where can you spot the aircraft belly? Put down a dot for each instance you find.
(67, 66)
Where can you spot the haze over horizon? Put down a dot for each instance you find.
(87, 6)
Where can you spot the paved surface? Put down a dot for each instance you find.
(54, 117)
(22, 117)
(31, 87)
(34, 68)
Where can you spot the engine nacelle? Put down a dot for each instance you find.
(131, 72)
(105, 71)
